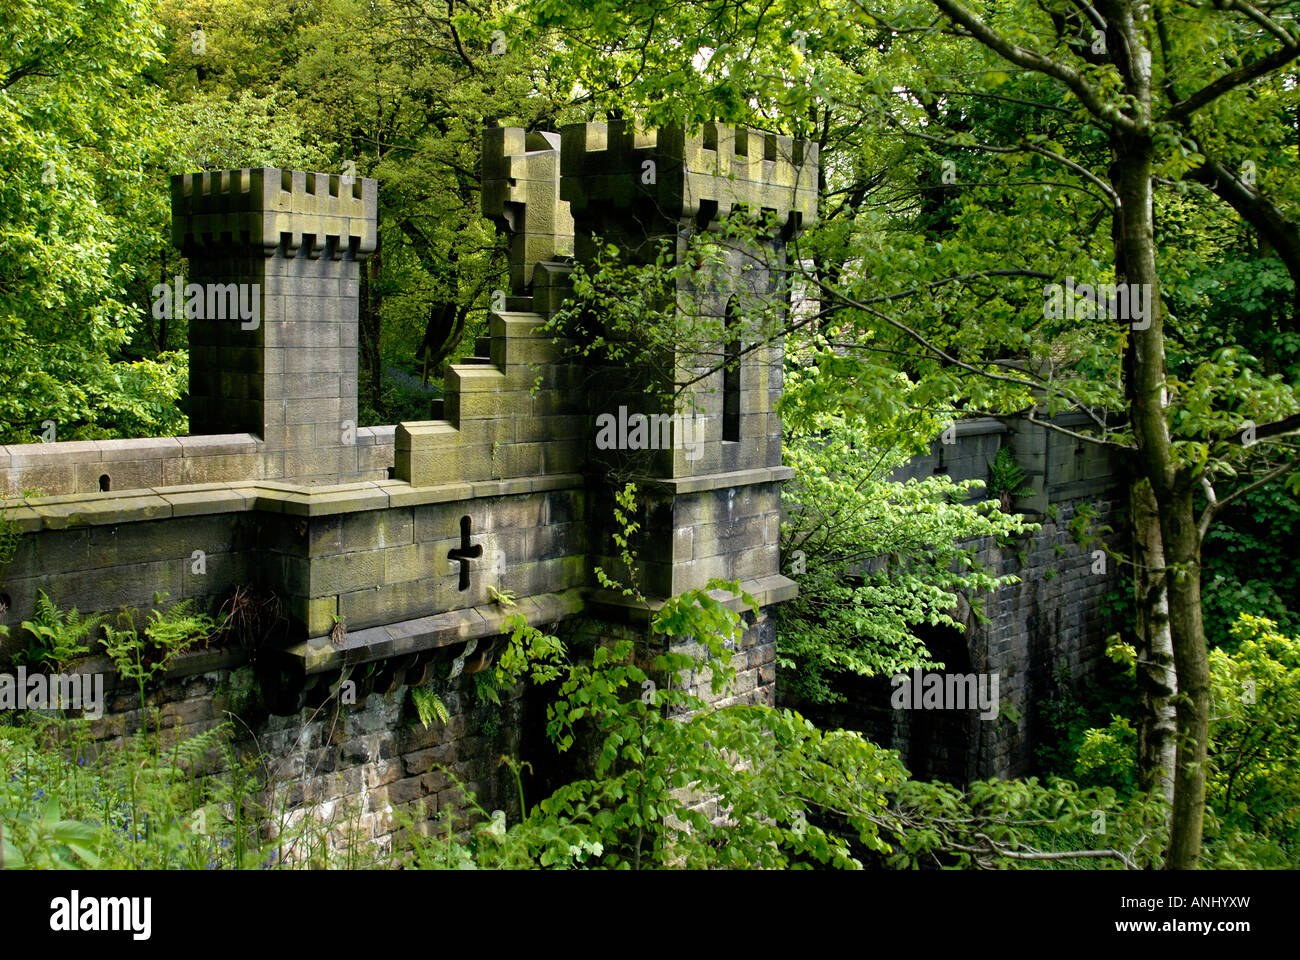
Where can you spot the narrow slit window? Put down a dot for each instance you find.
(731, 376)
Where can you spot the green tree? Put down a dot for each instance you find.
(1253, 793)
(874, 557)
(1078, 118)
(77, 133)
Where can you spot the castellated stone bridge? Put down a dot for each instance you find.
(401, 533)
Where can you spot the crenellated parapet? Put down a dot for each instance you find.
(616, 176)
(327, 214)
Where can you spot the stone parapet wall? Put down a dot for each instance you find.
(1058, 466)
(89, 466)
(370, 554)
(43, 470)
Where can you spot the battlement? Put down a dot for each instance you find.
(521, 195)
(607, 168)
(276, 210)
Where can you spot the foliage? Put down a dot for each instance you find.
(1253, 790)
(502, 598)
(1072, 726)
(429, 705)
(875, 557)
(78, 137)
(71, 801)
(1007, 478)
(167, 634)
(788, 794)
(56, 637)
(626, 526)
(1252, 565)
(1110, 752)
(658, 320)
(1254, 783)
(77, 795)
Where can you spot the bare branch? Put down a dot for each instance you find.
(1033, 60)
(1231, 81)
(1265, 479)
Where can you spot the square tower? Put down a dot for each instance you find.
(640, 190)
(272, 304)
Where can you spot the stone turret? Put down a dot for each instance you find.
(711, 493)
(636, 189)
(275, 256)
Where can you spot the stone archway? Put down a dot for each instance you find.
(940, 744)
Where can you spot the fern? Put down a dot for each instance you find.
(57, 637)
(9, 540)
(429, 705)
(1006, 476)
(191, 753)
(167, 634)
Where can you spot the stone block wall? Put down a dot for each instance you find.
(1045, 632)
(517, 416)
(627, 183)
(373, 555)
(352, 767)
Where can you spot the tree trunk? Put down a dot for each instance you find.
(1157, 721)
(1146, 386)
(442, 334)
(1183, 559)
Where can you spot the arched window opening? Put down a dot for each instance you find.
(731, 375)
